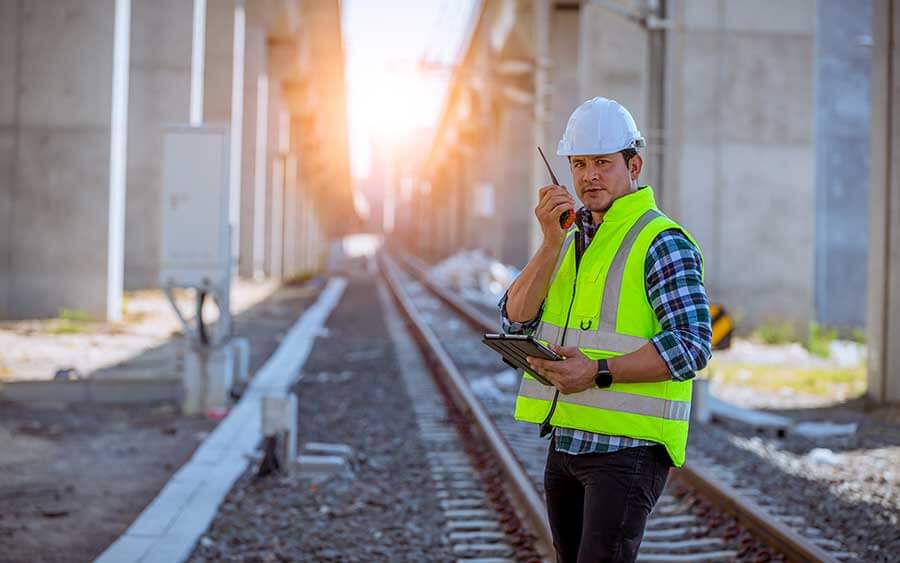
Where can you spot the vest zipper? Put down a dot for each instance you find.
(546, 428)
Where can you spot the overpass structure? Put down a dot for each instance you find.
(87, 88)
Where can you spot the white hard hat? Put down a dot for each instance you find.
(599, 126)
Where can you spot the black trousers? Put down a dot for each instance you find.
(598, 503)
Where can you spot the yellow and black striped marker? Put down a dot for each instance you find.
(722, 327)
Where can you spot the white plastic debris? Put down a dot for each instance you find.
(507, 379)
(476, 276)
(323, 464)
(822, 456)
(486, 389)
(821, 430)
(847, 353)
(341, 450)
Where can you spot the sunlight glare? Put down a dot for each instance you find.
(391, 107)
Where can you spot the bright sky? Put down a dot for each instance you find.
(384, 40)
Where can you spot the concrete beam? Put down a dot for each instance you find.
(883, 333)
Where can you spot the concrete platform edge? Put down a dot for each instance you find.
(170, 526)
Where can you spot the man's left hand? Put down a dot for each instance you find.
(573, 374)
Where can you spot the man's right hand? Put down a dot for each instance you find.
(553, 201)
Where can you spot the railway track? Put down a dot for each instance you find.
(699, 517)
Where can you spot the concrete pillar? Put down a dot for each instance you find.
(542, 13)
(516, 189)
(218, 61)
(291, 207)
(741, 93)
(613, 59)
(308, 232)
(55, 125)
(274, 185)
(254, 67)
(9, 64)
(564, 90)
(159, 95)
(843, 70)
(883, 334)
(276, 235)
(261, 175)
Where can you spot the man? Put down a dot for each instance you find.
(626, 308)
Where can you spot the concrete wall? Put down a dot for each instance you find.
(883, 332)
(843, 69)
(743, 98)
(54, 153)
(159, 95)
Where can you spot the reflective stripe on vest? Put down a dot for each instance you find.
(612, 289)
(610, 400)
(607, 340)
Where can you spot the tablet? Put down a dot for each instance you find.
(516, 347)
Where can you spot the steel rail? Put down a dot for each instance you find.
(526, 496)
(773, 532)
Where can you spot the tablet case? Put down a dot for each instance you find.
(515, 350)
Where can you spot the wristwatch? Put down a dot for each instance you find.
(603, 379)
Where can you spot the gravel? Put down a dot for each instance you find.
(385, 507)
(848, 487)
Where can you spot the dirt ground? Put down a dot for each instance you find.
(67, 485)
(73, 477)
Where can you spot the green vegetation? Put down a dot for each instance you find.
(75, 316)
(818, 381)
(71, 321)
(858, 336)
(776, 333)
(819, 340)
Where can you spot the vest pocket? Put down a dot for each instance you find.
(559, 297)
(587, 300)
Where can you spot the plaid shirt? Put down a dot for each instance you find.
(674, 284)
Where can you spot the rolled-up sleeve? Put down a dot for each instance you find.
(511, 327)
(674, 277)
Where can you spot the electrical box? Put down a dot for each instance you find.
(195, 250)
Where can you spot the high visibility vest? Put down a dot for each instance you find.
(606, 310)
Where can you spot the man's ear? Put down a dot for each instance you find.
(635, 166)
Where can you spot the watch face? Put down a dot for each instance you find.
(603, 379)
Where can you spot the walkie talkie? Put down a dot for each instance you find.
(567, 218)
